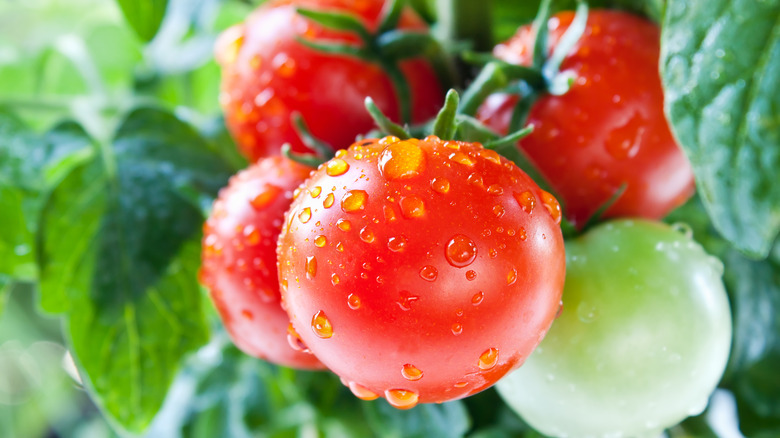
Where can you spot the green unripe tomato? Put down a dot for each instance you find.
(641, 342)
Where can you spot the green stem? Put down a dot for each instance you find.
(489, 80)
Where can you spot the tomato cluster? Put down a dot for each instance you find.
(425, 270)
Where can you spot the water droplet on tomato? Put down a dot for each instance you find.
(411, 372)
(401, 160)
(247, 314)
(488, 359)
(311, 267)
(336, 167)
(495, 190)
(552, 206)
(396, 244)
(266, 197)
(295, 341)
(457, 328)
(461, 384)
(354, 200)
(511, 277)
(305, 215)
(353, 301)
(461, 158)
(412, 207)
(284, 65)
(527, 200)
(321, 326)
(401, 398)
(498, 210)
(389, 213)
(429, 273)
(344, 225)
(471, 275)
(362, 392)
(461, 251)
(328, 202)
(475, 180)
(440, 185)
(366, 235)
(405, 303)
(320, 241)
(477, 298)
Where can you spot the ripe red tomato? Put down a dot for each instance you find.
(239, 259)
(609, 129)
(268, 74)
(421, 270)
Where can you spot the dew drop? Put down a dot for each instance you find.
(498, 210)
(328, 202)
(412, 207)
(461, 251)
(683, 228)
(511, 277)
(429, 273)
(354, 200)
(340, 247)
(353, 301)
(406, 302)
(334, 279)
(526, 200)
(552, 206)
(266, 197)
(495, 190)
(411, 372)
(461, 158)
(457, 328)
(440, 185)
(344, 225)
(336, 167)
(471, 275)
(461, 384)
(488, 359)
(401, 398)
(401, 160)
(389, 213)
(305, 215)
(362, 392)
(320, 241)
(315, 192)
(477, 298)
(295, 341)
(320, 325)
(311, 267)
(366, 235)
(396, 244)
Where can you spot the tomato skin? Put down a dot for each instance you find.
(268, 74)
(609, 129)
(416, 257)
(641, 343)
(239, 259)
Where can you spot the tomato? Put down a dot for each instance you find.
(239, 259)
(609, 129)
(421, 270)
(268, 74)
(642, 340)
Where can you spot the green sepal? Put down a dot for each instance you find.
(337, 21)
(385, 125)
(444, 125)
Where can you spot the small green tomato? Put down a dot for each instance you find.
(642, 340)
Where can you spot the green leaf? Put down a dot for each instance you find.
(755, 357)
(119, 252)
(144, 16)
(446, 420)
(29, 165)
(721, 98)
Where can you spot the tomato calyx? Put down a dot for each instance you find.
(386, 47)
(323, 150)
(543, 76)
